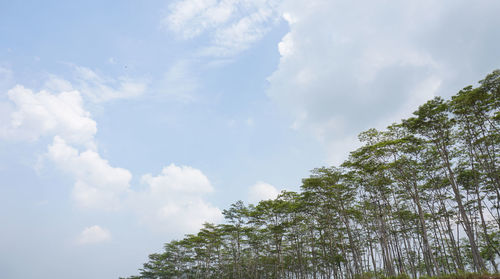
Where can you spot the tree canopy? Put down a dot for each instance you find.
(421, 197)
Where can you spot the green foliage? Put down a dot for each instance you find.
(420, 199)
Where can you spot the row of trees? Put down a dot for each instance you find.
(421, 197)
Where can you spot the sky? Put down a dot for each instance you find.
(124, 125)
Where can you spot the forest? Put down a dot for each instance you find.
(420, 198)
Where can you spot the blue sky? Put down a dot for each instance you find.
(125, 125)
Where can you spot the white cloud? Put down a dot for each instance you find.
(62, 116)
(182, 179)
(98, 185)
(262, 191)
(285, 47)
(346, 67)
(190, 18)
(101, 89)
(232, 25)
(173, 200)
(93, 234)
(40, 114)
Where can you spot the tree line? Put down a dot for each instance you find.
(419, 198)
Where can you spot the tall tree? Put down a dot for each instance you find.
(432, 122)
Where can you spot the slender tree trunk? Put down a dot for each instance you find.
(478, 261)
(433, 268)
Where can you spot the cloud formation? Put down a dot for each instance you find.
(93, 235)
(100, 88)
(262, 191)
(97, 184)
(232, 25)
(346, 67)
(173, 200)
(46, 114)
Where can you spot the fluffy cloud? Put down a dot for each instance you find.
(40, 114)
(173, 200)
(233, 25)
(262, 191)
(93, 234)
(101, 89)
(98, 185)
(33, 115)
(347, 66)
